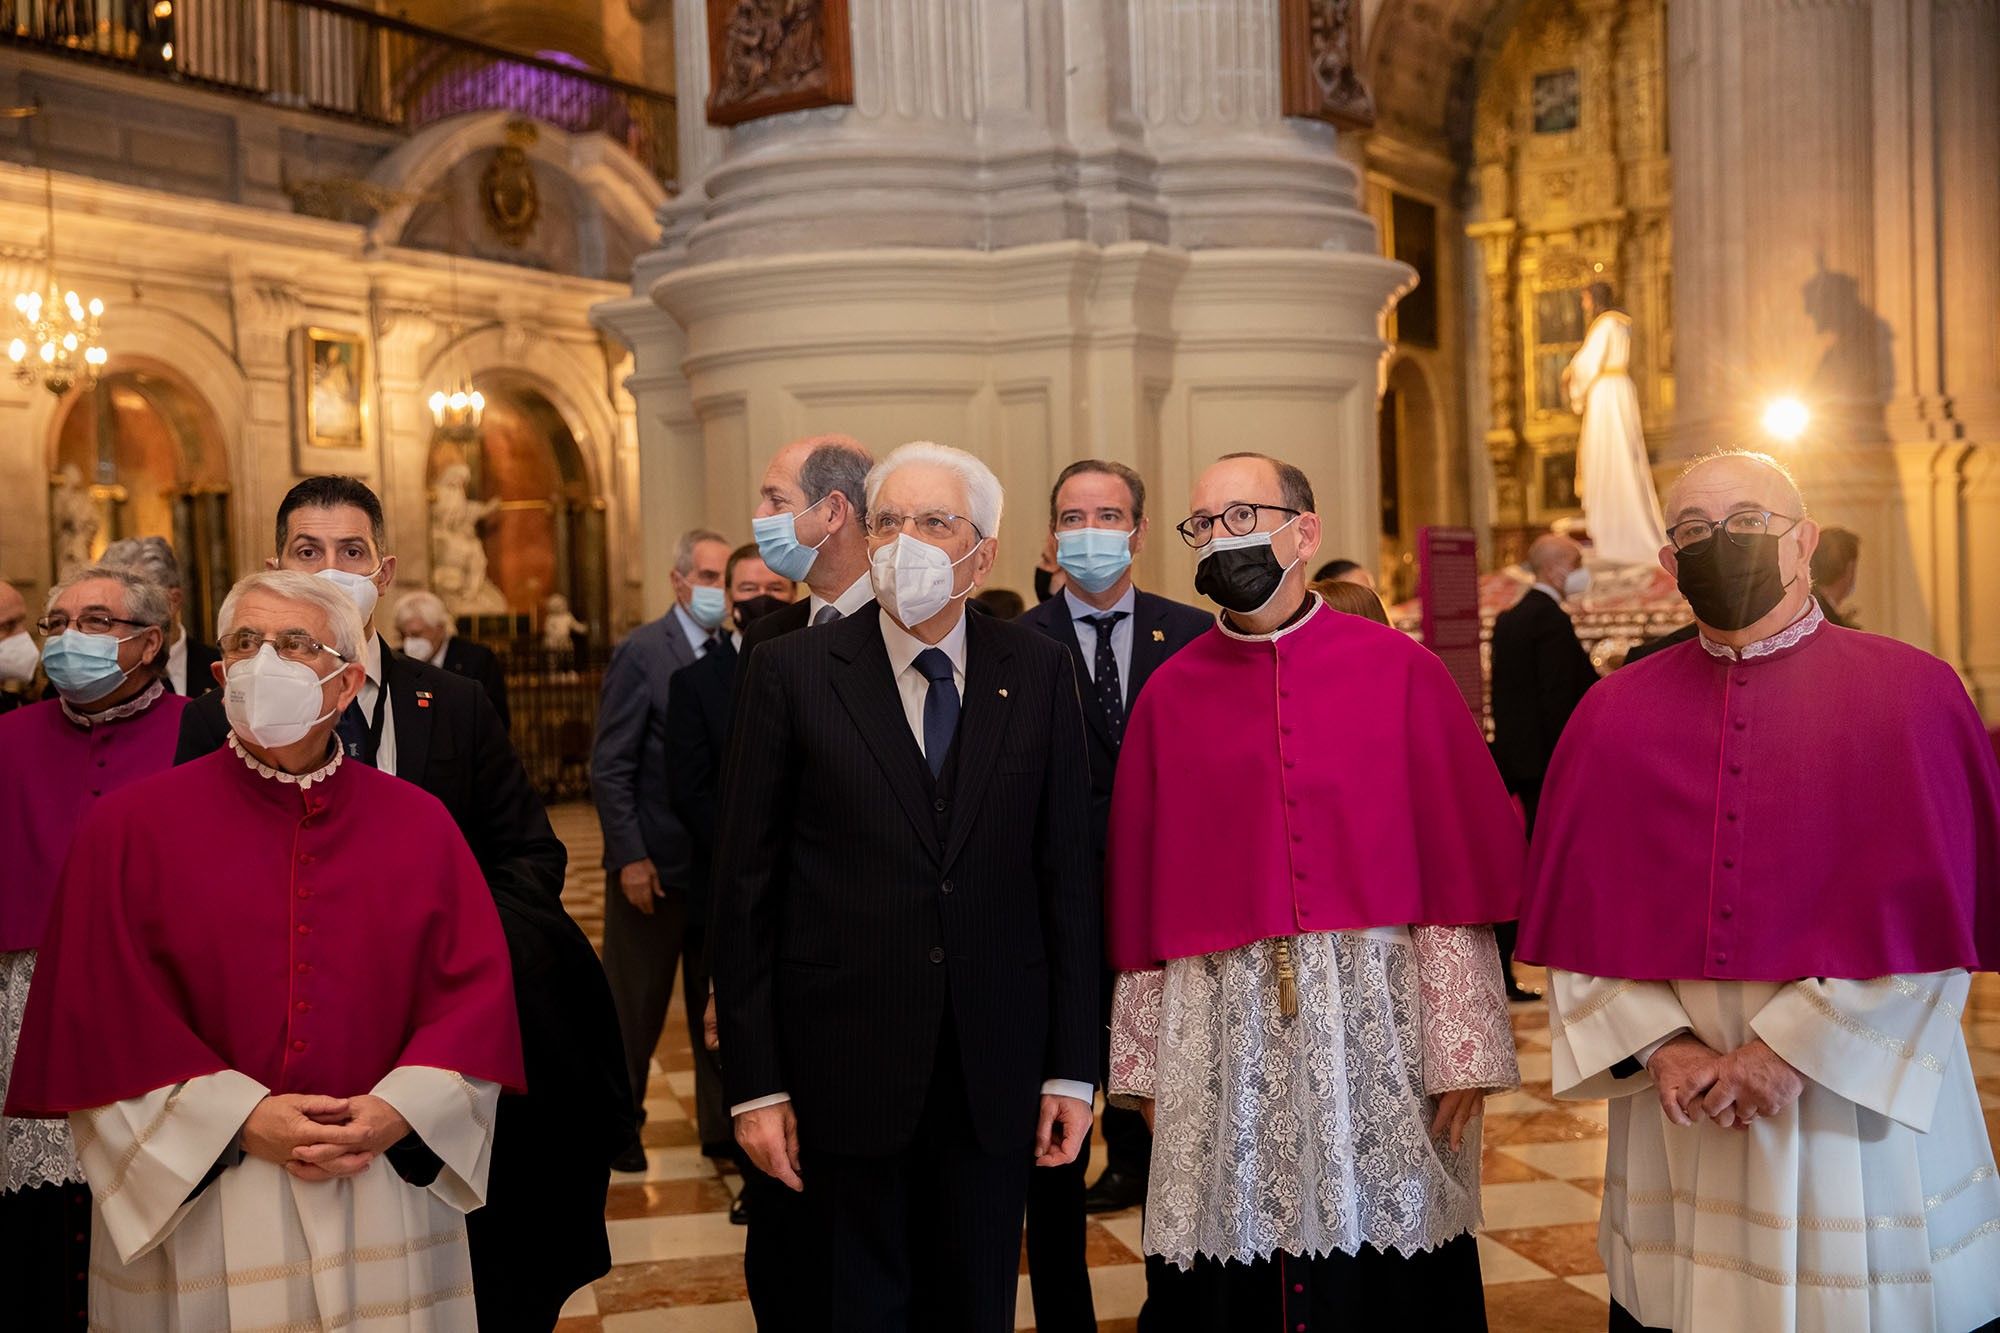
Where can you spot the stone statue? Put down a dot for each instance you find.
(75, 521)
(560, 629)
(458, 555)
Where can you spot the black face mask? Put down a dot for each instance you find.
(1045, 581)
(756, 608)
(1240, 579)
(1729, 584)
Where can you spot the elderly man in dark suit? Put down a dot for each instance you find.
(1540, 673)
(649, 872)
(1116, 636)
(190, 662)
(424, 625)
(541, 1234)
(907, 925)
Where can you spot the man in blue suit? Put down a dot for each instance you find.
(1117, 636)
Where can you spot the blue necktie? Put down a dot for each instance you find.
(1104, 673)
(940, 706)
(353, 731)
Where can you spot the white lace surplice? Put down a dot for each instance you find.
(32, 1152)
(1311, 1134)
(1870, 1205)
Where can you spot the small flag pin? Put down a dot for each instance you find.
(1003, 694)
(1159, 636)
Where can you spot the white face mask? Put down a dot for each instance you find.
(360, 589)
(913, 579)
(18, 656)
(417, 646)
(272, 702)
(1576, 584)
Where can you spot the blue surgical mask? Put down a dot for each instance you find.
(83, 667)
(1094, 558)
(708, 606)
(777, 538)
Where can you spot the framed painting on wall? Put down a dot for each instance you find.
(1319, 52)
(766, 57)
(329, 395)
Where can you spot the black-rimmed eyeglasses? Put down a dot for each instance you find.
(1740, 527)
(1238, 520)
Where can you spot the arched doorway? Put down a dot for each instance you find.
(1415, 491)
(545, 532)
(141, 454)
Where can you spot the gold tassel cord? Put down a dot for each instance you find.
(1288, 983)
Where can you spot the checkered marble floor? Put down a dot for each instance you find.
(678, 1263)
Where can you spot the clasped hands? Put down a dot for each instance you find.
(322, 1138)
(770, 1136)
(1749, 1082)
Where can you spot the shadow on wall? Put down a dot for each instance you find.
(1856, 372)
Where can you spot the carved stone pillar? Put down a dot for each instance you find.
(403, 332)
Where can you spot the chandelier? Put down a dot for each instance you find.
(456, 410)
(55, 341)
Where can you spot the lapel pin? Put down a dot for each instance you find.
(423, 698)
(1159, 636)
(1003, 694)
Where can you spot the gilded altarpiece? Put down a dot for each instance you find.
(1570, 173)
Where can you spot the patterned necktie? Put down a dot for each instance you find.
(940, 706)
(1110, 690)
(827, 615)
(353, 732)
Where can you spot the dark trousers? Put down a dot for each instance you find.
(1128, 1144)
(711, 1105)
(1437, 1291)
(784, 1262)
(1058, 1270)
(928, 1239)
(45, 1257)
(641, 954)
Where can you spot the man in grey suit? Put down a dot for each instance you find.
(648, 862)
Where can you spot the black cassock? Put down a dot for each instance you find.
(1437, 1291)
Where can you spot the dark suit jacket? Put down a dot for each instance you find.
(542, 1229)
(200, 658)
(1540, 673)
(797, 616)
(1160, 628)
(859, 907)
(629, 760)
(478, 662)
(698, 712)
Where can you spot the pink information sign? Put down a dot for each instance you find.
(1448, 586)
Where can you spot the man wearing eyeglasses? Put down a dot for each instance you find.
(1308, 846)
(281, 1065)
(112, 724)
(1766, 863)
(906, 921)
(542, 1234)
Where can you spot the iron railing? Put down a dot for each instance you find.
(324, 57)
(553, 699)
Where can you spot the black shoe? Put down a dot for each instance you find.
(1519, 994)
(632, 1159)
(1114, 1192)
(739, 1212)
(722, 1152)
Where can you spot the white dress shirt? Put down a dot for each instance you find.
(859, 593)
(1121, 635)
(371, 690)
(177, 664)
(914, 687)
(1555, 593)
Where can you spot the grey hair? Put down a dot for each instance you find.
(152, 557)
(836, 463)
(428, 605)
(684, 548)
(342, 617)
(145, 600)
(983, 495)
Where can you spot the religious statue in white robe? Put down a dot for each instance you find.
(1614, 475)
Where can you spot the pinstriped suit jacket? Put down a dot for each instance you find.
(854, 917)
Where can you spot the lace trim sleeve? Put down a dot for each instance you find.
(1468, 1039)
(1136, 1005)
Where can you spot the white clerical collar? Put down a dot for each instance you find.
(132, 707)
(1807, 624)
(303, 781)
(904, 646)
(1313, 609)
(859, 593)
(1082, 610)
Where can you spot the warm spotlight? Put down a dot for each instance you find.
(1786, 419)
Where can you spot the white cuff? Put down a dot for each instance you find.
(1069, 1087)
(759, 1103)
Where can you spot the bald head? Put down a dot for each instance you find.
(1718, 485)
(1552, 557)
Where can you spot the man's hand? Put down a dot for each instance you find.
(1682, 1069)
(1751, 1081)
(711, 1036)
(1146, 1110)
(1061, 1131)
(1457, 1110)
(770, 1135)
(279, 1126)
(640, 883)
(372, 1128)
